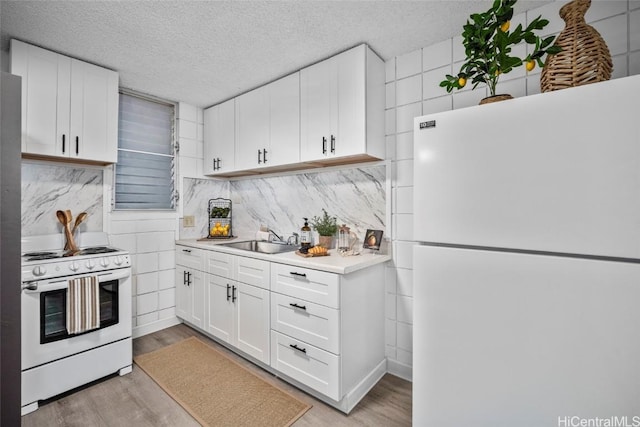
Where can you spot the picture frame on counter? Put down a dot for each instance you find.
(372, 239)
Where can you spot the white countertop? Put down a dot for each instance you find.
(334, 263)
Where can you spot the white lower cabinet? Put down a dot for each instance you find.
(237, 312)
(189, 286)
(327, 331)
(310, 365)
(323, 332)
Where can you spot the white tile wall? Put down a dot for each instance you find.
(619, 24)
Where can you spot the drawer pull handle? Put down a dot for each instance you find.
(228, 289)
(295, 347)
(301, 307)
(233, 293)
(295, 273)
(184, 278)
(186, 250)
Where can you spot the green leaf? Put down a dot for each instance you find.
(530, 38)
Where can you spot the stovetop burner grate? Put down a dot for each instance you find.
(38, 254)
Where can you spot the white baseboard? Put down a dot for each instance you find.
(400, 370)
(150, 328)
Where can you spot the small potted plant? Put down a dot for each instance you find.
(487, 42)
(327, 227)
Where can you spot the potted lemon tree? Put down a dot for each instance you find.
(488, 43)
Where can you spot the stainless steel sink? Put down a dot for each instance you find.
(261, 246)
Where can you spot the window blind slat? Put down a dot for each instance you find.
(144, 179)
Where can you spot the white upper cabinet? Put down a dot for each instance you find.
(219, 138)
(268, 125)
(252, 128)
(342, 108)
(69, 107)
(284, 122)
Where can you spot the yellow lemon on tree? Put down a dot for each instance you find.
(462, 81)
(505, 26)
(530, 65)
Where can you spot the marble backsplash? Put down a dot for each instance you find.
(47, 188)
(356, 196)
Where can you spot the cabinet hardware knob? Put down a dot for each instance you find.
(295, 273)
(301, 307)
(186, 250)
(295, 347)
(324, 145)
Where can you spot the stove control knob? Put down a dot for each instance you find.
(104, 262)
(39, 271)
(74, 266)
(118, 260)
(90, 264)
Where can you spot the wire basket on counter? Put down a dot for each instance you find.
(219, 213)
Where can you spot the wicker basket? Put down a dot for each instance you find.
(584, 58)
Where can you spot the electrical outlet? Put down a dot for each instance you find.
(189, 221)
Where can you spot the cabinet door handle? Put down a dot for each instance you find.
(295, 273)
(233, 293)
(186, 250)
(295, 347)
(264, 155)
(301, 307)
(184, 277)
(259, 154)
(333, 144)
(324, 145)
(63, 142)
(188, 278)
(228, 289)
(77, 145)
(214, 164)
(218, 163)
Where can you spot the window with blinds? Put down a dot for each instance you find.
(145, 172)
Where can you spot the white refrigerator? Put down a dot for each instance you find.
(527, 262)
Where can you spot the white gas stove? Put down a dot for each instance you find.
(53, 359)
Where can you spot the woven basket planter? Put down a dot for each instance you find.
(495, 98)
(585, 57)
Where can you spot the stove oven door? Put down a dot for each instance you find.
(44, 332)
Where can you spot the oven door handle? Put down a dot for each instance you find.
(39, 287)
(47, 286)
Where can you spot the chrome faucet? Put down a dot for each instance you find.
(276, 235)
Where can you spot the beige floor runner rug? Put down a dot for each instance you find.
(217, 391)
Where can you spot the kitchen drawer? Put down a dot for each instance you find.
(313, 367)
(219, 263)
(315, 286)
(189, 257)
(252, 271)
(313, 323)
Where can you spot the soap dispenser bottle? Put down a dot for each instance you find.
(305, 236)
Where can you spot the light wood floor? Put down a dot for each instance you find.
(135, 400)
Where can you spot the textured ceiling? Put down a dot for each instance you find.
(203, 52)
